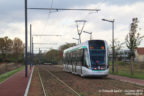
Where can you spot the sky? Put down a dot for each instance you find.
(63, 22)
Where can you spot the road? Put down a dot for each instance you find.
(59, 83)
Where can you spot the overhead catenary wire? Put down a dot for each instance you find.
(57, 9)
(45, 35)
(47, 43)
(48, 17)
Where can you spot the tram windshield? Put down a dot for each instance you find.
(97, 52)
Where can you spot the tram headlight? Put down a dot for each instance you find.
(102, 68)
(95, 68)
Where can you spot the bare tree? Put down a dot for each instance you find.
(117, 47)
(133, 39)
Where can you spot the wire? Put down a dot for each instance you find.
(51, 5)
(98, 6)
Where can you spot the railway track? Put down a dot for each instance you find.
(59, 83)
(42, 84)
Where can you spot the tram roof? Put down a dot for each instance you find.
(80, 46)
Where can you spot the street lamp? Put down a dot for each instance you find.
(76, 39)
(112, 21)
(89, 33)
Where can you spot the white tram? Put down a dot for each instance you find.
(87, 59)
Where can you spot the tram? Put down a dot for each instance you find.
(87, 59)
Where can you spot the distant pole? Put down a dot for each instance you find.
(76, 39)
(89, 33)
(32, 51)
(30, 46)
(39, 55)
(113, 46)
(26, 57)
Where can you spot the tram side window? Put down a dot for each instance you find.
(66, 58)
(85, 63)
(79, 57)
(73, 57)
(69, 58)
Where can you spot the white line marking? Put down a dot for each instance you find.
(42, 84)
(29, 82)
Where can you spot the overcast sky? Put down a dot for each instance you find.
(63, 22)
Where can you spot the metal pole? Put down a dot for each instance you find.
(112, 21)
(32, 51)
(39, 56)
(30, 46)
(91, 36)
(76, 39)
(89, 33)
(26, 58)
(113, 46)
(79, 38)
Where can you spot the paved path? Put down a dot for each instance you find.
(126, 79)
(15, 85)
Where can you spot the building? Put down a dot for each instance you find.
(139, 54)
(121, 55)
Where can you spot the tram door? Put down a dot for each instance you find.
(74, 63)
(81, 61)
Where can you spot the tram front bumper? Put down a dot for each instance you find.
(89, 72)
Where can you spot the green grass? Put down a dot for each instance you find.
(124, 70)
(10, 73)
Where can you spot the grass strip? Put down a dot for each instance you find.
(126, 73)
(10, 73)
(136, 76)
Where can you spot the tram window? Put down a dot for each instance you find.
(86, 58)
(66, 58)
(97, 53)
(70, 54)
(98, 44)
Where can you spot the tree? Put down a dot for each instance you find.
(117, 47)
(2, 43)
(5, 46)
(67, 45)
(133, 39)
(18, 47)
(53, 56)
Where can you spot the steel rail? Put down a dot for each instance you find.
(63, 83)
(42, 84)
